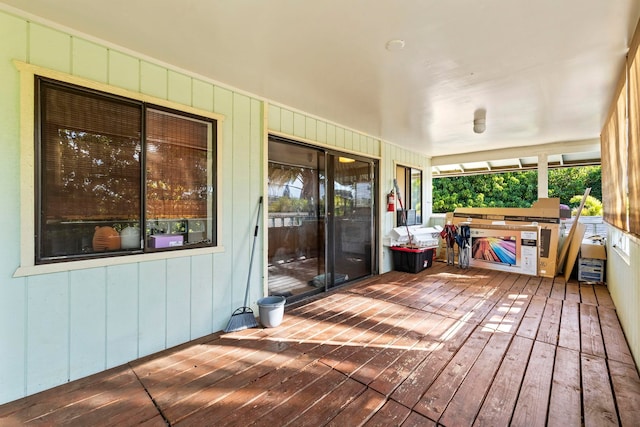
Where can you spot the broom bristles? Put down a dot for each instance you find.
(241, 319)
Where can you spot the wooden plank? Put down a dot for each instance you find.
(558, 289)
(565, 405)
(599, 406)
(435, 400)
(417, 420)
(531, 407)
(615, 342)
(500, 401)
(257, 399)
(544, 290)
(603, 296)
(587, 294)
(590, 333)
(179, 401)
(359, 410)
(329, 405)
(572, 292)
(626, 385)
(63, 397)
(417, 378)
(550, 323)
(570, 326)
(391, 414)
(531, 321)
(532, 285)
(467, 400)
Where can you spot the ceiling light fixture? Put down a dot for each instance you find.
(480, 120)
(395, 44)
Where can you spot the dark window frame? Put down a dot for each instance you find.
(208, 197)
(408, 201)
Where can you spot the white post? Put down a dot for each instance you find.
(543, 176)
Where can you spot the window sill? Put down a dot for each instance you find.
(33, 270)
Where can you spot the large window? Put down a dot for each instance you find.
(117, 176)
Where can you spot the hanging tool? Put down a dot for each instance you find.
(404, 214)
(243, 317)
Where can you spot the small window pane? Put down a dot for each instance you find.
(89, 172)
(179, 180)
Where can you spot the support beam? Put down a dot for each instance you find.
(543, 175)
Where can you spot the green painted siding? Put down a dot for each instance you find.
(67, 325)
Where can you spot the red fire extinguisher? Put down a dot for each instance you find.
(391, 202)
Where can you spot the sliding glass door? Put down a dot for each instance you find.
(321, 219)
(350, 218)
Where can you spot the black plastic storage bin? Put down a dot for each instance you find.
(411, 260)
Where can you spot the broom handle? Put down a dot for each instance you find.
(253, 249)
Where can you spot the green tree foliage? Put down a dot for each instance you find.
(592, 206)
(513, 189)
(568, 182)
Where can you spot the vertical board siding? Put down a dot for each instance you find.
(311, 132)
(89, 60)
(201, 295)
(87, 322)
(122, 314)
(47, 331)
(63, 326)
(124, 71)
(223, 272)
(202, 95)
(153, 80)
(257, 289)
(331, 134)
(274, 118)
(242, 230)
(13, 33)
(179, 89)
(321, 132)
(152, 311)
(286, 121)
(178, 291)
(299, 125)
(49, 48)
(622, 280)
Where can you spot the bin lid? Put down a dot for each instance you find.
(593, 251)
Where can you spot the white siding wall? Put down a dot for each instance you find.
(623, 279)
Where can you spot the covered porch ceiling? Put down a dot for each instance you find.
(414, 73)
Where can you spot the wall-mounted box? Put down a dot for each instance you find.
(157, 241)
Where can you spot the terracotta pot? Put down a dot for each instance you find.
(106, 239)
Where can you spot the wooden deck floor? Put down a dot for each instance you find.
(444, 347)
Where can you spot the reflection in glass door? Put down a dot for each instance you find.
(320, 219)
(351, 219)
(296, 221)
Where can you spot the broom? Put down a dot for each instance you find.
(243, 317)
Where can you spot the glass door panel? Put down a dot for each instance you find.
(351, 222)
(296, 220)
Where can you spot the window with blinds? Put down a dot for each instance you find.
(620, 147)
(116, 176)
